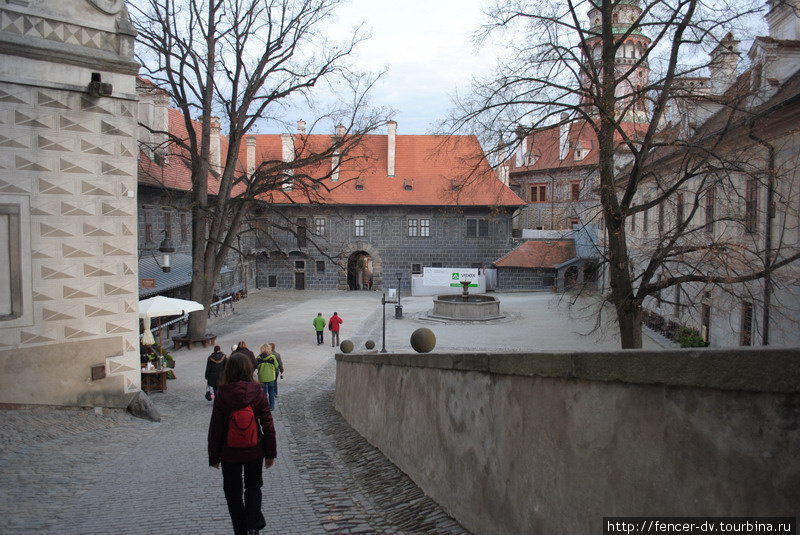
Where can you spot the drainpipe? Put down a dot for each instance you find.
(770, 213)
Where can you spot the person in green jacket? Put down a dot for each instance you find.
(268, 373)
(319, 327)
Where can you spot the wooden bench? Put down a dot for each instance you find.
(207, 340)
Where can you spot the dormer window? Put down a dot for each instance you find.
(455, 185)
(580, 152)
(360, 184)
(408, 184)
(531, 158)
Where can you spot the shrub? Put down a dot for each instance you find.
(688, 337)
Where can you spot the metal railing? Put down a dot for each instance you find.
(213, 308)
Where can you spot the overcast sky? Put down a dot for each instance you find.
(426, 49)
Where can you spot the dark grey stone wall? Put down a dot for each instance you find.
(385, 239)
(156, 202)
(514, 278)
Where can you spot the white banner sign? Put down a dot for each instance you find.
(449, 276)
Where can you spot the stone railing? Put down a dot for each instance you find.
(552, 443)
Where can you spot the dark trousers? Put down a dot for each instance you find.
(244, 514)
(319, 337)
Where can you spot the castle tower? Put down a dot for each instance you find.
(628, 63)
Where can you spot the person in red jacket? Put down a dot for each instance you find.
(333, 326)
(238, 390)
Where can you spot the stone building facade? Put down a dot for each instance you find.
(741, 214)
(68, 145)
(395, 204)
(328, 261)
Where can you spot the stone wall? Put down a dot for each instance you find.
(513, 278)
(68, 176)
(552, 442)
(385, 239)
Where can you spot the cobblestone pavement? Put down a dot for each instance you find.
(105, 472)
(84, 472)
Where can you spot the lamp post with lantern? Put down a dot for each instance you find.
(398, 309)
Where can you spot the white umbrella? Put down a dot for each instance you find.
(147, 335)
(158, 306)
(166, 306)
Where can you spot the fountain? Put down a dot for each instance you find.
(465, 306)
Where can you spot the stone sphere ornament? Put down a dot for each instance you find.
(346, 346)
(369, 344)
(423, 340)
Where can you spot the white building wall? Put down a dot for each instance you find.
(68, 160)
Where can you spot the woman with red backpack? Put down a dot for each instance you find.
(240, 435)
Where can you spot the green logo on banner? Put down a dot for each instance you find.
(455, 276)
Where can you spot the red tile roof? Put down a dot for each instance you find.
(539, 254)
(545, 145)
(429, 171)
(175, 172)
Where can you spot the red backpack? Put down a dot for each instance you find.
(242, 429)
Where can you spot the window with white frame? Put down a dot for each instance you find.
(319, 226)
(10, 265)
(413, 227)
(16, 292)
(360, 226)
(424, 227)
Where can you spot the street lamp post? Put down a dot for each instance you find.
(166, 248)
(383, 302)
(398, 309)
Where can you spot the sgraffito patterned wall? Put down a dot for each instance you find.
(73, 157)
(68, 162)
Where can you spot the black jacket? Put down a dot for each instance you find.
(214, 367)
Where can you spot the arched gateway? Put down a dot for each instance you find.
(364, 268)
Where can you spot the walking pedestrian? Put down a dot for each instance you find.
(241, 464)
(333, 325)
(319, 327)
(268, 373)
(215, 365)
(280, 366)
(241, 347)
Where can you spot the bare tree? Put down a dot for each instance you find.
(627, 70)
(238, 62)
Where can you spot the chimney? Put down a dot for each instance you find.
(391, 126)
(335, 159)
(153, 115)
(502, 167)
(724, 59)
(287, 154)
(287, 147)
(301, 127)
(214, 149)
(563, 141)
(783, 19)
(251, 154)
